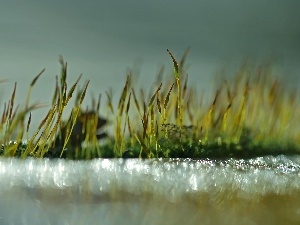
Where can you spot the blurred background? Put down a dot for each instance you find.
(102, 39)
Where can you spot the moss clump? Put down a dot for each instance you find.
(252, 114)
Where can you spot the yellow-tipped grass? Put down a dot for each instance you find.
(252, 114)
(246, 114)
(12, 125)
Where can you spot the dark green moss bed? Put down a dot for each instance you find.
(171, 150)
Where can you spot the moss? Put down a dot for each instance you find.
(253, 114)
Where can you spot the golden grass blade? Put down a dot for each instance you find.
(63, 77)
(128, 104)
(93, 100)
(176, 68)
(273, 92)
(189, 112)
(15, 112)
(37, 77)
(18, 120)
(229, 96)
(70, 93)
(176, 113)
(225, 117)
(158, 103)
(166, 103)
(168, 97)
(142, 95)
(7, 110)
(109, 102)
(123, 97)
(12, 102)
(28, 124)
(145, 121)
(3, 118)
(215, 99)
(98, 103)
(131, 134)
(56, 91)
(142, 144)
(78, 95)
(130, 130)
(184, 90)
(136, 102)
(210, 116)
(31, 86)
(49, 115)
(184, 57)
(153, 96)
(53, 131)
(84, 92)
(64, 95)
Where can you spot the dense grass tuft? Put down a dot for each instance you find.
(252, 114)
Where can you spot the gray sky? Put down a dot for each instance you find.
(102, 38)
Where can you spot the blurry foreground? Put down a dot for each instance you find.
(264, 190)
